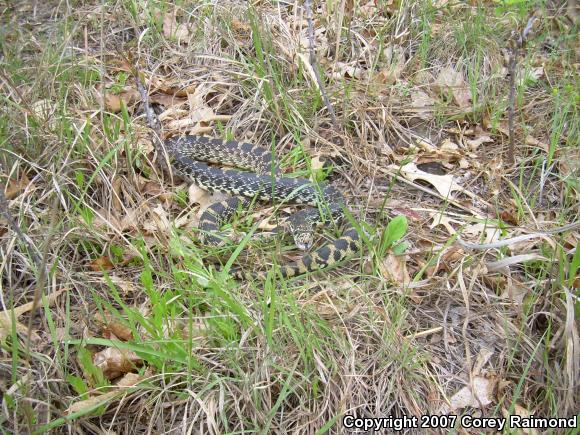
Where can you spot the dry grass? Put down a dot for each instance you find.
(134, 330)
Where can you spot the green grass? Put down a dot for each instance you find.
(276, 355)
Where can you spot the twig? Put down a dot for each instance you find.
(516, 43)
(522, 238)
(314, 64)
(5, 211)
(42, 273)
(152, 119)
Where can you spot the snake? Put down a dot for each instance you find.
(190, 157)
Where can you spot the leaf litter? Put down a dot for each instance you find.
(392, 101)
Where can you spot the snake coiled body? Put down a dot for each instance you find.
(189, 156)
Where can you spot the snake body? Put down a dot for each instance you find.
(189, 156)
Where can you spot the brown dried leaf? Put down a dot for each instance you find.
(532, 75)
(114, 102)
(450, 80)
(159, 222)
(116, 196)
(348, 70)
(522, 412)
(197, 195)
(444, 184)
(115, 362)
(44, 111)
(84, 406)
(129, 221)
(15, 187)
(536, 143)
(100, 264)
(392, 73)
(477, 395)
(422, 104)
(394, 268)
(473, 144)
(514, 290)
(7, 315)
(168, 100)
(173, 29)
(112, 329)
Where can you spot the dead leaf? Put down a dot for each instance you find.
(444, 184)
(159, 222)
(473, 144)
(514, 290)
(115, 362)
(396, 59)
(477, 395)
(15, 187)
(116, 194)
(491, 232)
(422, 104)
(114, 102)
(129, 221)
(348, 70)
(112, 329)
(536, 143)
(522, 412)
(44, 110)
(452, 255)
(394, 268)
(128, 287)
(100, 264)
(196, 331)
(531, 75)
(510, 217)
(451, 81)
(121, 388)
(173, 29)
(7, 315)
(169, 100)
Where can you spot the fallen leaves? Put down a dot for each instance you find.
(394, 269)
(121, 388)
(422, 104)
(174, 30)
(115, 101)
(101, 264)
(7, 316)
(478, 394)
(16, 186)
(114, 362)
(444, 184)
(450, 81)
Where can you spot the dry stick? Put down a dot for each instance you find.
(314, 64)
(42, 275)
(5, 211)
(512, 98)
(522, 238)
(516, 43)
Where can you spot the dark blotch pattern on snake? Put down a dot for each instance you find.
(187, 155)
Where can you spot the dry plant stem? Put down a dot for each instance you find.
(152, 119)
(5, 211)
(42, 275)
(153, 122)
(314, 64)
(522, 238)
(512, 98)
(517, 42)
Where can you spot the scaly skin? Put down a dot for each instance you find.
(187, 155)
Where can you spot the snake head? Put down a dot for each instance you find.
(303, 241)
(302, 231)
